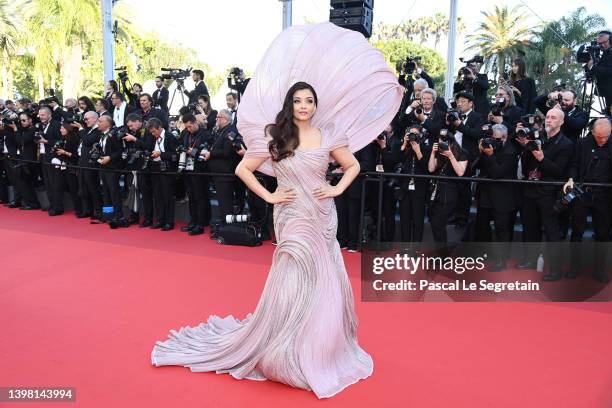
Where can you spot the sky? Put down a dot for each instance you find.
(228, 33)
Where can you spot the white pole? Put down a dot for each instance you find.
(450, 55)
(287, 13)
(109, 41)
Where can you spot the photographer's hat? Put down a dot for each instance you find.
(466, 95)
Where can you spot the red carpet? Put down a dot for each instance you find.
(82, 305)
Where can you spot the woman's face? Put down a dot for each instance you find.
(501, 93)
(203, 104)
(304, 106)
(82, 105)
(515, 68)
(63, 131)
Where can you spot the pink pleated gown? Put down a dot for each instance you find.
(303, 331)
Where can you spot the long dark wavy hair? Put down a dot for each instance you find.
(522, 70)
(284, 132)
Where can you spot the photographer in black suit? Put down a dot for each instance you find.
(65, 178)
(222, 159)
(545, 159)
(121, 109)
(110, 160)
(412, 102)
(412, 192)
(424, 113)
(477, 84)
(26, 172)
(576, 119)
(8, 143)
(466, 125)
(138, 139)
(48, 132)
(163, 160)
(200, 87)
(160, 95)
(504, 110)
(603, 69)
(195, 140)
(147, 111)
(591, 163)
(496, 201)
(89, 180)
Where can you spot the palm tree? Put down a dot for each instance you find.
(502, 34)
(551, 56)
(10, 27)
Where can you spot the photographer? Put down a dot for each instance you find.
(447, 158)
(200, 87)
(576, 119)
(160, 95)
(412, 192)
(591, 163)
(523, 87)
(424, 113)
(466, 124)
(504, 110)
(102, 107)
(603, 69)
(163, 159)
(26, 172)
(89, 180)
(496, 201)
(412, 101)
(470, 80)
(195, 140)
(121, 109)
(111, 86)
(139, 143)
(110, 161)
(57, 113)
(231, 100)
(410, 72)
(147, 111)
(237, 81)
(209, 115)
(8, 137)
(222, 158)
(86, 105)
(545, 159)
(65, 153)
(48, 132)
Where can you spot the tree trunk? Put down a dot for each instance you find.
(70, 67)
(501, 65)
(5, 85)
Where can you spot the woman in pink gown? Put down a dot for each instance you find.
(303, 331)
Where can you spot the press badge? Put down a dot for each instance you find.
(380, 168)
(411, 185)
(189, 164)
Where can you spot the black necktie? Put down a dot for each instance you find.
(463, 116)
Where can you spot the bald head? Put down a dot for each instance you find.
(105, 122)
(554, 120)
(601, 130)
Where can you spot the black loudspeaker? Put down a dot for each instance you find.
(353, 15)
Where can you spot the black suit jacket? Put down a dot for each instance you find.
(478, 87)
(472, 133)
(222, 154)
(169, 155)
(197, 140)
(25, 144)
(558, 152)
(603, 74)
(88, 138)
(160, 98)
(200, 89)
(582, 158)
(52, 134)
(112, 148)
(574, 123)
(502, 164)
(155, 113)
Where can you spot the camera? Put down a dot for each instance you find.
(182, 152)
(95, 153)
(566, 199)
(530, 120)
(453, 115)
(588, 52)
(236, 81)
(533, 144)
(410, 65)
(122, 74)
(394, 182)
(73, 116)
(177, 74)
(119, 132)
(204, 147)
(8, 117)
(232, 218)
(238, 142)
(552, 102)
(60, 144)
(487, 130)
(497, 107)
(466, 70)
(414, 137)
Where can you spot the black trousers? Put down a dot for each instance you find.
(441, 209)
(91, 194)
(46, 172)
(163, 196)
(389, 209)
(26, 174)
(538, 213)
(261, 211)
(65, 180)
(412, 216)
(11, 176)
(239, 193)
(464, 201)
(598, 205)
(4, 182)
(145, 190)
(225, 196)
(112, 192)
(199, 199)
(348, 209)
(503, 221)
